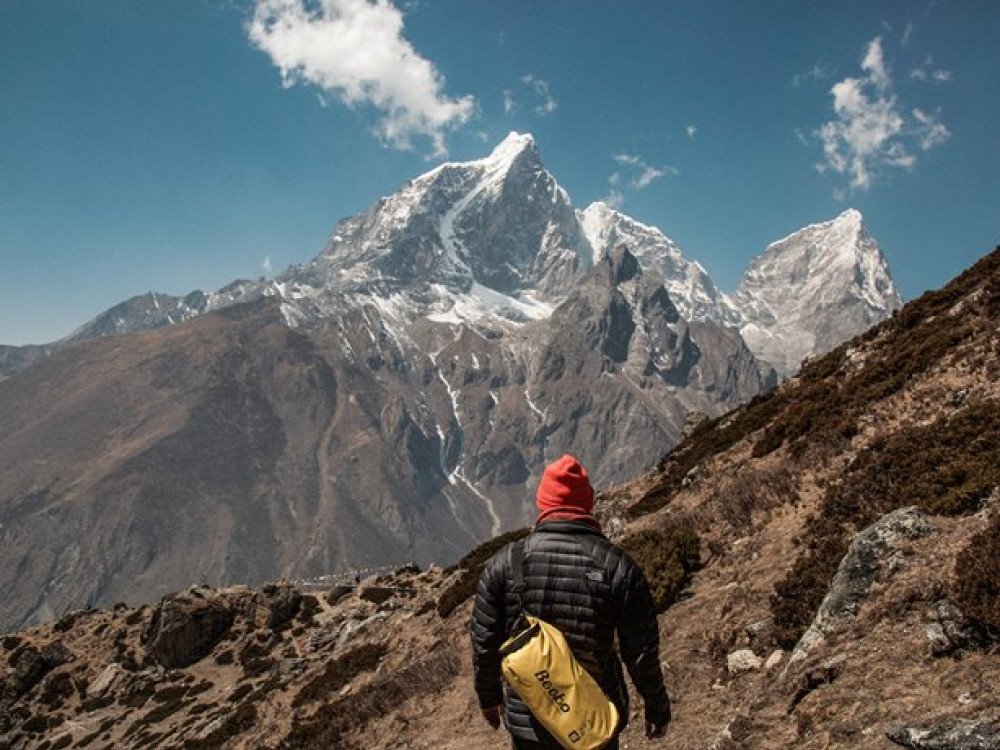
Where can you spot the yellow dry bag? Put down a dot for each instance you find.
(541, 668)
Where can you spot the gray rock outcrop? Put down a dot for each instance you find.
(871, 552)
(955, 734)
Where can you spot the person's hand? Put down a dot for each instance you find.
(656, 724)
(655, 730)
(492, 716)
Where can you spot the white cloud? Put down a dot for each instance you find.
(640, 176)
(874, 64)
(927, 72)
(355, 50)
(614, 198)
(907, 35)
(645, 174)
(930, 131)
(870, 133)
(648, 175)
(265, 264)
(818, 72)
(509, 105)
(692, 131)
(540, 87)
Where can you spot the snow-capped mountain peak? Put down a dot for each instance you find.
(688, 284)
(826, 281)
(496, 242)
(513, 146)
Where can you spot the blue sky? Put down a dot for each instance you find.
(169, 146)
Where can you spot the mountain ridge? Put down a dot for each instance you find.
(393, 400)
(894, 645)
(407, 250)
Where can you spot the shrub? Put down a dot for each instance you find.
(976, 585)
(330, 724)
(341, 671)
(471, 567)
(242, 718)
(668, 558)
(709, 438)
(947, 467)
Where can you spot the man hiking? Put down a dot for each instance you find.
(587, 587)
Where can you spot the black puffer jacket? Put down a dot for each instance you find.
(590, 589)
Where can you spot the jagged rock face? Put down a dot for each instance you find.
(16, 358)
(501, 223)
(693, 292)
(185, 627)
(813, 290)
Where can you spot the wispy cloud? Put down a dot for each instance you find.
(870, 132)
(265, 265)
(644, 174)
(638, 175)
(692, 131)
(907, 36)
(818, 72)
(928, 72)
(509, 104)
(541, 89)
(355, 50)
(930, 131)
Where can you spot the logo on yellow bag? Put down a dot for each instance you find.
(557, 697)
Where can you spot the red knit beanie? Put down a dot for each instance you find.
(565, 487)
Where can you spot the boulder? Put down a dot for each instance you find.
(376, 594)
(29, 665)
(948, 630)
(104, 681)
(185, 627)
(743, 660)
(954, 734)
(279, 602)
(873, 550)
(338, 592)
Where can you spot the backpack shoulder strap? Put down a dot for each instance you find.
(516, 559)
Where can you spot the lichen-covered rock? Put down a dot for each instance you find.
(956, 734)
(743, 660)
(949, 631)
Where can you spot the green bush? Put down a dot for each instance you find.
(471, 567)
(976, 586)
(668, 558)
(946, 468)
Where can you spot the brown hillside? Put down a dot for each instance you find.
(845, 596)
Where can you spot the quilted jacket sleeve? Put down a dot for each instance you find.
(488, 627)
(639, 640)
